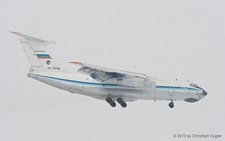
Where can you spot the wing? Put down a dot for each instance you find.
(107, 75)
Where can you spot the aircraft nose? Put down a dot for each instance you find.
(204, 92)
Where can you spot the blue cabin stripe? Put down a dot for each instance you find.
(105, 84)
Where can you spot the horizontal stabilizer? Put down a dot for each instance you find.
(30, 38)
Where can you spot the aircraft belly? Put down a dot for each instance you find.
(128, 94)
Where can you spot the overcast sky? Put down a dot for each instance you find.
(175, 39)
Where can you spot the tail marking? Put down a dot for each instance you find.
(43, 56)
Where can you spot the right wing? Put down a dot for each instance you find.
(107, 75)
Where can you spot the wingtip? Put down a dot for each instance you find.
(14, 32)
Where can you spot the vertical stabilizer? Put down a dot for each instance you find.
(38, 54)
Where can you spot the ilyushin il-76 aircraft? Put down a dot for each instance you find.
(102, 83)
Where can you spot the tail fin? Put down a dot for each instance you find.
(38, 54)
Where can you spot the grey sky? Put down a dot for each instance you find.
(166, 39)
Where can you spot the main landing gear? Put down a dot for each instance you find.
(171, 104)
(121, 102)
(113, 104)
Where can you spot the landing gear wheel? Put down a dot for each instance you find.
(111, 102)
(124, 105)
(121, 102)
(171, 105)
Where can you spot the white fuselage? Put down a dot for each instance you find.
(86, 85)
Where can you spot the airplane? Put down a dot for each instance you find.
(102, 83)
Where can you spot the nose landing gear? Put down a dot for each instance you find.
(171, 104)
